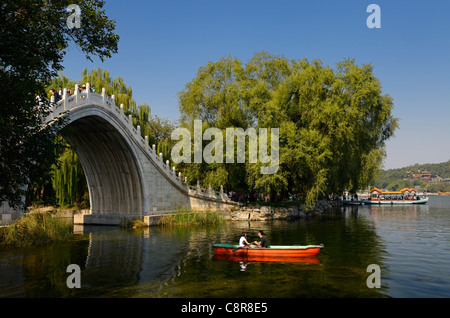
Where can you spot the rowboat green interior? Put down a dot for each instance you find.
(273, 246)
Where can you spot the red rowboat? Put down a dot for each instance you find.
(306, 253)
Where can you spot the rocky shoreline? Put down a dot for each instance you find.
(267, 213)
(242, 213)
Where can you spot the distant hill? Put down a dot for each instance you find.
(433, 177)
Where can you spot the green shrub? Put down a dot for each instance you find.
(187, 217)
(132, 223)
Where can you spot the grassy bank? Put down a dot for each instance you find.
(36, 228)
(187, 217)
(132, 224)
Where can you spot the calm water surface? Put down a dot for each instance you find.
(411, 244)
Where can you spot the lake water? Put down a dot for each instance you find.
(410, 244)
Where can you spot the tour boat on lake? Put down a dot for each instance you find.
(269, 254)
(404, 196)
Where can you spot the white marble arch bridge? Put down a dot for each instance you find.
(126, 178)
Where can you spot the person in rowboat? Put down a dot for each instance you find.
(263, 242)
(243, 241)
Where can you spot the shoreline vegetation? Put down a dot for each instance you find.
(188, 217)
(41, 227)
(36, 228)
(45, 225)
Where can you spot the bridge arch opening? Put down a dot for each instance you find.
(112, 169)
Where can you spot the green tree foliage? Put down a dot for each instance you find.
(68, 179)
(438, 187)
(157, 129)
(34, 37)
(393, 179)
(333, 122)
(41, 180)
(123, 93)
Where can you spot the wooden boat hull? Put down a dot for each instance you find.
(394, 202)
(306, 253)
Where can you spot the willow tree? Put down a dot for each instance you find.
(69, 180)
(34, 37)
(333, 122)
(123, 93)
(216, 97)
(334, 126)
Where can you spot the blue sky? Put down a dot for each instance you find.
(163, 43)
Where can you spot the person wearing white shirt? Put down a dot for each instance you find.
(243, 240)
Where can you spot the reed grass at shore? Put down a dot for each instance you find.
(187, 217)
(36, 228)
(132, 224)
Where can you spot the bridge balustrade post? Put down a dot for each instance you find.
(103, 94)
(138, 128)
(65, 98)
(88, 90)
(199, 190)
(221, 192)
(77, 87)
(52, 106)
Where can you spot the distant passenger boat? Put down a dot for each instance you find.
(404, 196)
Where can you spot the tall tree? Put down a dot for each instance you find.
(34, 36)
(333, 123)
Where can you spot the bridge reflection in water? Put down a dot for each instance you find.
(127, 262)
